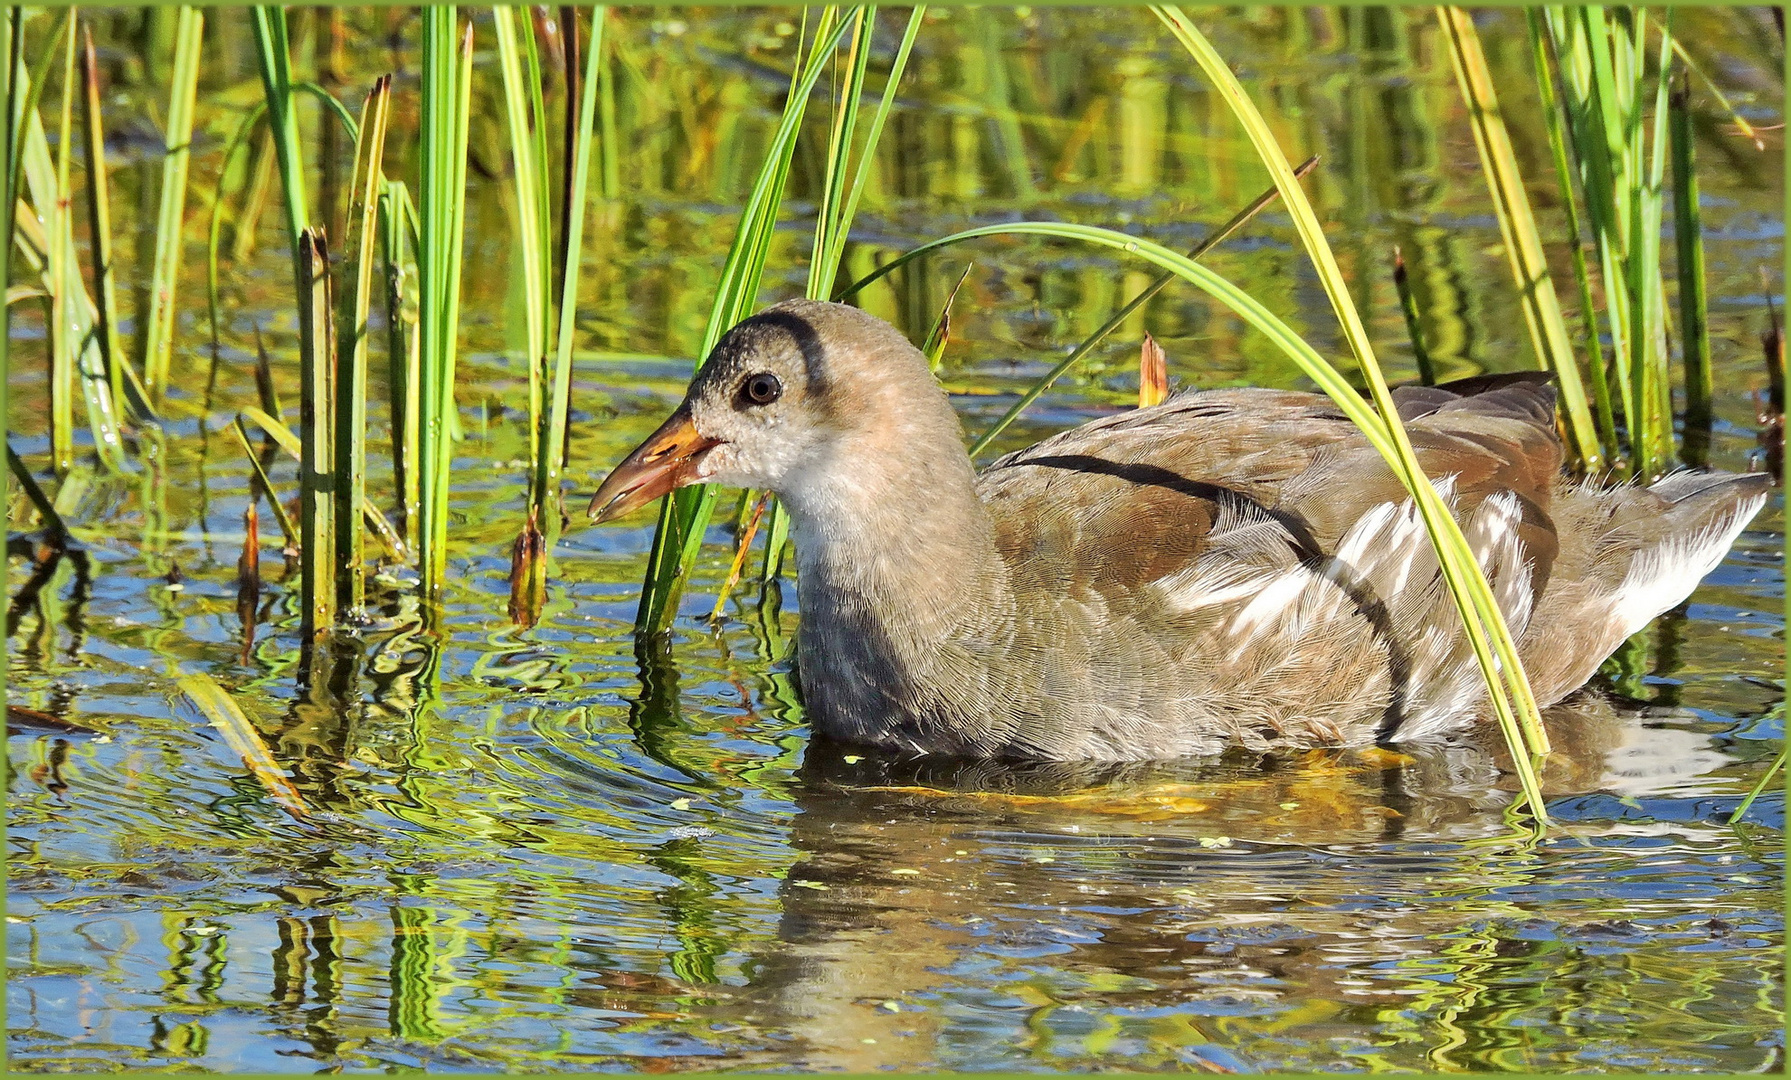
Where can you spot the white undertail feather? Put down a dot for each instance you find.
(1665, 574)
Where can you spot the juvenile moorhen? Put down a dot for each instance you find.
(1230, 567)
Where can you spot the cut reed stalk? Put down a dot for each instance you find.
(446, 111)
(1153, 373)
(359, 238)
(158, 336)
(317, 419)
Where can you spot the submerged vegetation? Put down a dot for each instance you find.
(1614, 85)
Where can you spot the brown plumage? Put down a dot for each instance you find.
(1229, 567)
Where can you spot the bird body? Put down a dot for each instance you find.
(1232, 567)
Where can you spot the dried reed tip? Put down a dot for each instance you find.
(1153, 373)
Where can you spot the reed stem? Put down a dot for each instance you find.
(158, 337)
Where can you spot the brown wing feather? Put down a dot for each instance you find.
(1150, 484)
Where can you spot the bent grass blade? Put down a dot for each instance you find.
(1507, 686)
(218, 707)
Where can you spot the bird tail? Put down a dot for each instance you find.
(1678, 529)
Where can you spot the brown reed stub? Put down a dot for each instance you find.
(1153, 373)
(528, 573)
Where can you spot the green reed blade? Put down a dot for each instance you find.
(1688, 231)
(1414, 327)
(551, 455)
(403, 381)
(1519, 719)
(273, 55)
(1044, 383)
(830, 217)
(683, 516)
(287, 530)
(351, 344)
(317, 442)
(532, 230)
(64, 339)
(1542, 49)
(606, 113)
(1759, 788)
(1651, 428)
(1517, 226)
(446, 110)
(872, 138)
(158, 336)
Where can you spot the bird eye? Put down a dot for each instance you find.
(761, 389)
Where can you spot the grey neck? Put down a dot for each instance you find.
(904, 594)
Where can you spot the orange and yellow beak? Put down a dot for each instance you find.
(665, 462)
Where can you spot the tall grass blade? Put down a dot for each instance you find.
(12, 102)
(273, 53)
(65, 342)
(1517, 226)
(940, 335)
(1651, 430)
(1688, 231)
(550, 459)
(685, 514)
(358, 242)
(446, 110)
(1507, 686)
(99, 220)
(158, 336)
(522, 108)
(317, 420)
